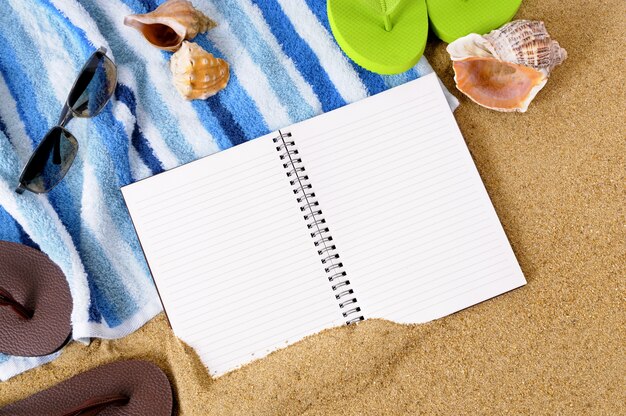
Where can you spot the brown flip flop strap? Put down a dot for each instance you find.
(7, 300)
(94, 406)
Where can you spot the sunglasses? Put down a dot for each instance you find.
(54, 156)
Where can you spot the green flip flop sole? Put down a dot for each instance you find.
(383, 36)
(453, 19)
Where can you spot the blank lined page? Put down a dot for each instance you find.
(407, 210)
(231, 256)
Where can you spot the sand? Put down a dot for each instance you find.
(557, 177)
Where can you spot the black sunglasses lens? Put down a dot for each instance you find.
(94, 87)
(50, 161)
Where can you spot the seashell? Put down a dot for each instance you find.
(498, 85)
(528, 43)
(169, 24)
(197, 73)
(508, 66)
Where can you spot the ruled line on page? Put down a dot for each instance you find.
(294, 293)
(207, 200)
(193, 184)
(265, 270)
(476, 285)
(225, 245)
(421, 280)
(439, 261)
(380, 120)
(232, 226)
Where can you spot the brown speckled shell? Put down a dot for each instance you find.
(197, 73)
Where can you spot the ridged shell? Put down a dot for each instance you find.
(526, 42)
(169, 24)
(197, 73)
(505, 69)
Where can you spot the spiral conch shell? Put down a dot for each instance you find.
(169, 24)
(505, 69)
(197, 73)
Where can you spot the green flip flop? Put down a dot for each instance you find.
(383, 36)
(453, 19)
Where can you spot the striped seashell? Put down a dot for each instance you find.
(528, 43)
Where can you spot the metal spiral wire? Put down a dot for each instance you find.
(319, 231)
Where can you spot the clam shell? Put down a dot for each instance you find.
(197, 73)
(498, 85)
(169, 24)
(505, 69)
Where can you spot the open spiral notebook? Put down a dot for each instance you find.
(374, 210)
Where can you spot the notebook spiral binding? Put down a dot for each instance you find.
(319, 231)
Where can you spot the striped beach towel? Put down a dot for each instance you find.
(285, 67)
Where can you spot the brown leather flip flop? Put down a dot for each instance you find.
(135, 387)
(35, 302)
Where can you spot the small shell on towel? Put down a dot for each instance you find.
(197, 73)
(169, 24)
(505, 69)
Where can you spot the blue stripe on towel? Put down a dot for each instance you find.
(31, 110)
(301, 53)
(373, 82)
(73, 37)
(139, 142)
(399, 79)
(243, 110)
(3, 130)
(11, 230)
(108, 294)
(139, 6)
(235, 101)
(30, 113)
(213, 107)
(270, 64)
(212, 122)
